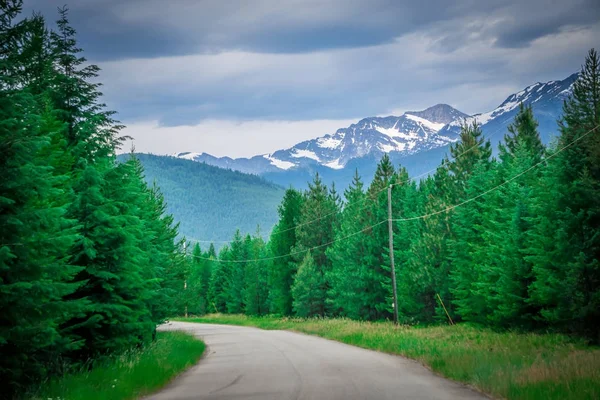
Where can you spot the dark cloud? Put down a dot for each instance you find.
(316, 59)
(116, 29)
(530, 21)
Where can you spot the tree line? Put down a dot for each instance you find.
(90, 262)
(509, 241)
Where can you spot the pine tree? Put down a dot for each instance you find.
(165, 254)
(195, 286)
(472, 153)
(466, 153)
(523, 132)
(429, 264)
(564, 246)
(314, 232)
(234, 286)
(507, 275)
(376, 240)
(307, 289)
(35, 232)
(466, 246)
(217, 294)
(349, 294)
(405, 202)
(256, 290)
(112, 280)
(92, 131)
(281, 244)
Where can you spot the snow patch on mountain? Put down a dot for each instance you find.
(279, 163)
(335, 164)
(422, 121)
(187, 155)
(388, 131)
(305, 154)
(329, 142)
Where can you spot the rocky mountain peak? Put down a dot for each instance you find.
(440, 114)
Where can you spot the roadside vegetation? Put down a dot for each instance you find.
(503, 364)
(90, 261)
(131, 375)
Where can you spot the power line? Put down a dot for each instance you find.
(411, 218)
(364, 200)
(294, 252)
(500, 185)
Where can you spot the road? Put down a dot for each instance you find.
(249, 363)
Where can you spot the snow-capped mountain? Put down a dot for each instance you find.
(416, 139)
(546, 100)
(410, 133)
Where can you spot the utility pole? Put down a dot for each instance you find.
(185, 279)
(391, 237)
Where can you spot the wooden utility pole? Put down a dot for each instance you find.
(391, 237)
(185, 280)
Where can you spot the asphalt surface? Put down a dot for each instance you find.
(249, 363)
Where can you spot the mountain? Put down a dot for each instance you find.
(410, 133)
(210, 203)
(416, 139)
(546, 100)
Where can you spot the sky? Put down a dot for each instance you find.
(244, 77)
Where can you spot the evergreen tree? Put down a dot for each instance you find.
(466, 246)
(469, 155)
(507, 275)
(349, 294)
(376, 240)
(234, 285)
(565, 244)
(465, 154)
(217, 294)
(281, 244)
(307, 289)
(314, 232)
(166, 259)
(108, 249)
(523, 132)
(405, 202)
(256, 290)
(212, 253)
(92, 131)
(197, 282)
(35, 233)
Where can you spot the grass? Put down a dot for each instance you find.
(503, 364)
(131, 375)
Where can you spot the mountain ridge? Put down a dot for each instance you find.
(410, 133)
(209, 202)
(417, 139)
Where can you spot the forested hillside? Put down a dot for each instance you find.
(210, 203)
(90, 262)
(511, 242)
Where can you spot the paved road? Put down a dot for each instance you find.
(249, 363)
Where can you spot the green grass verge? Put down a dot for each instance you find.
(130, 375)
(504, 364)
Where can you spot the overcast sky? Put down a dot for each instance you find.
(246, 77)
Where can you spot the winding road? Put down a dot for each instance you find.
(250, 363)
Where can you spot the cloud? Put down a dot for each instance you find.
(227, 137)
(176, 67)
(117, 29)
(336, 84)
